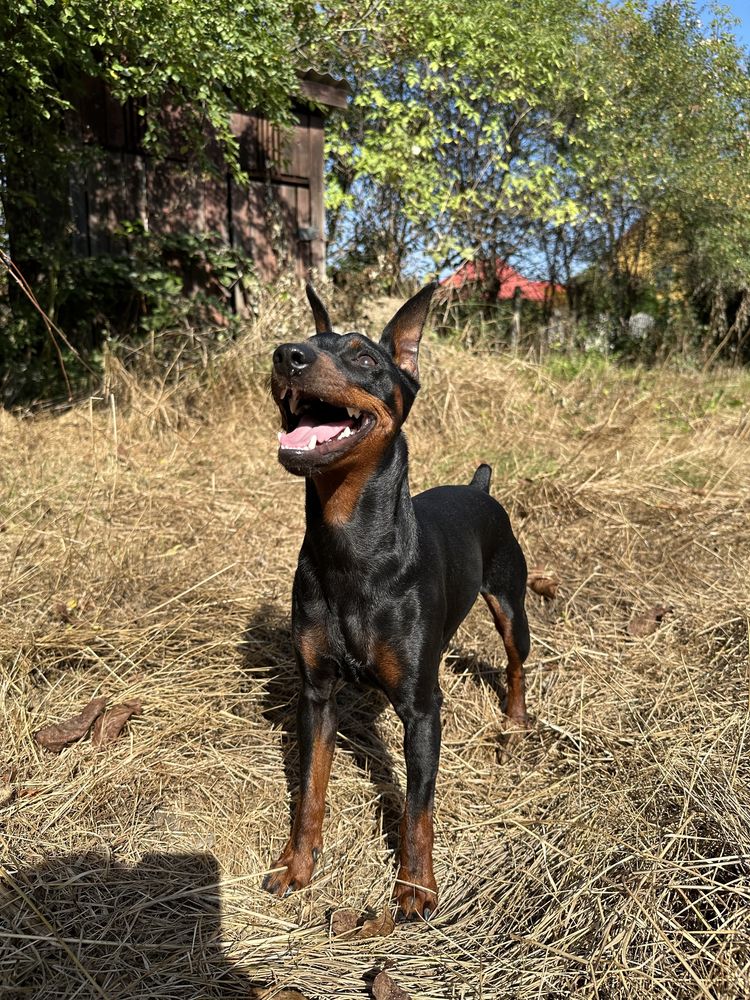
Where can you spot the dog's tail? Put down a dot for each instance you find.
(481, 478)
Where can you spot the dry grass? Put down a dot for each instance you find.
(146, 551)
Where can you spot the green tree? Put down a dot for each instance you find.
(200, 58)
(662, 139)
(440, 150)
(548, 133)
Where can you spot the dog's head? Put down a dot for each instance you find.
(343, 396)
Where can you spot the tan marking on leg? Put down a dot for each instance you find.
(416, 888)
(516, 704)
(388, 666)
(308, 820)
(306, 839)
(312, 644)
(416, 841)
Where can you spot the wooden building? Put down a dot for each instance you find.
(277, 218)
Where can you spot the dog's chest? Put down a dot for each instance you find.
(355, 639)
(356, 634)
(364, 617)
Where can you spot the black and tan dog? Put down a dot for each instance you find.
(384, 579)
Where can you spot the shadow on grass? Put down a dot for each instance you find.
(83, 925)
(479, 672)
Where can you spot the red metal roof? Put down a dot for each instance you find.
(509, 278)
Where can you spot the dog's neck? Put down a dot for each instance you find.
(363, 508)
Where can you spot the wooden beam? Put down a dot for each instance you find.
(324, 93)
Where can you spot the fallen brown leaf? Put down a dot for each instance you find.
(56, 737)
(542, 584)
(25, 793)
(7, 793)
(380, 926)
(347, 922)
(384, 988)
(344, 921)
(646, 624)
(111, 723)
(60, 610)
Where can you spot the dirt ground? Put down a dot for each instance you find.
(147, 545)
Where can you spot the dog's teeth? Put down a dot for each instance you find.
(284, 392)
(294, 402)
(280, 435)
(312, 442)
(355, 414)
(345, 433)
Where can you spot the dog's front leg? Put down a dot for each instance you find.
(316, 733)
(416, 888)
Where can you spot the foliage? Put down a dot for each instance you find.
(200, 59)
(203, 55)
(599, 145)
(440, 151)
(663, 146)
(162, 283)
(543, 133)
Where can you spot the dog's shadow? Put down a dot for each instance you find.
(482, 674)
(86, 925)
(478, 671)
(267, 653)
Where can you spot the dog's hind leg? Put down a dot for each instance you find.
(505, 599)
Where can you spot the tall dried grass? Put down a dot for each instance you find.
(147, 546)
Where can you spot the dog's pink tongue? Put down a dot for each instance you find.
(301, 436)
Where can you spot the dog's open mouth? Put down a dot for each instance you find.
(319, 427)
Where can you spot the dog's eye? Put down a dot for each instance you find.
(365, 360)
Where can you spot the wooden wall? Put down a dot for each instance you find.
(277, 218)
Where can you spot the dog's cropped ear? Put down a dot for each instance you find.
(320, 313)
(402, 335)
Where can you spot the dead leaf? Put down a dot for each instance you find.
(109, 725)
(642, 625)
(57, 737)
(542, 584)
(60, 610)
(25, 793)
(347, 922)
(380, 926)
(7, 793)
(344, 921)
(384, 988)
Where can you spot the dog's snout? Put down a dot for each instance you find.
(292, 359)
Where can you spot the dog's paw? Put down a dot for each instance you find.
(295, 869)
(416, 896)
(517, 730)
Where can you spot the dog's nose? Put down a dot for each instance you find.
(292, 359)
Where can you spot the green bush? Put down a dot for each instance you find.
(163, 283)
